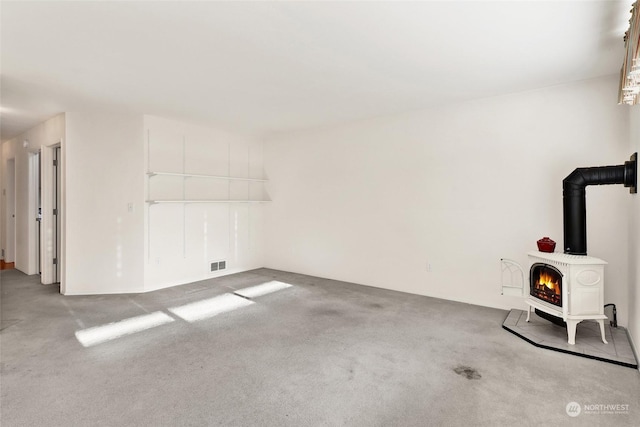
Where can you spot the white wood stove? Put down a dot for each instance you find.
(570, 287)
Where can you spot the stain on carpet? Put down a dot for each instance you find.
(322, 311)
(468, 372)
(8, 322)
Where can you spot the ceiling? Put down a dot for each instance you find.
(263, 67)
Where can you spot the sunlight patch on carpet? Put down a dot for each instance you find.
(210, 307)
(99, 334)
(263, 289)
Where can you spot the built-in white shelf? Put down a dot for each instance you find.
(214, 176)
(206, 201)
(193, 175)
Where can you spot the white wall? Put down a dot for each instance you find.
(104, 161)
(634, 242)
(114, 242)
(458, 187)
(46, 134)
(183, 239)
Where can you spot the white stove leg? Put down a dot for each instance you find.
(571, 331)
(601, 322)
(528, 313)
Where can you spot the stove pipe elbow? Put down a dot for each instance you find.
(574, 200)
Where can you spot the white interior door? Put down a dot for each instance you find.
(37, 206)
(57, 224)
(50, 235)
(10, 197)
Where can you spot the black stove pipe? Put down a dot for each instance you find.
(574, 204)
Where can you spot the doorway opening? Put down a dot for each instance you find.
(35, 209)
(9, 251)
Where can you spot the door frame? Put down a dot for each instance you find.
(48, 222)
(10, 211)
(32, 213)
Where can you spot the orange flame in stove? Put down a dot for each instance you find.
(550, 282)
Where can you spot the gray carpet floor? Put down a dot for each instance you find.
(318, 353)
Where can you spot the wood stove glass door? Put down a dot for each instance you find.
(546, 283)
